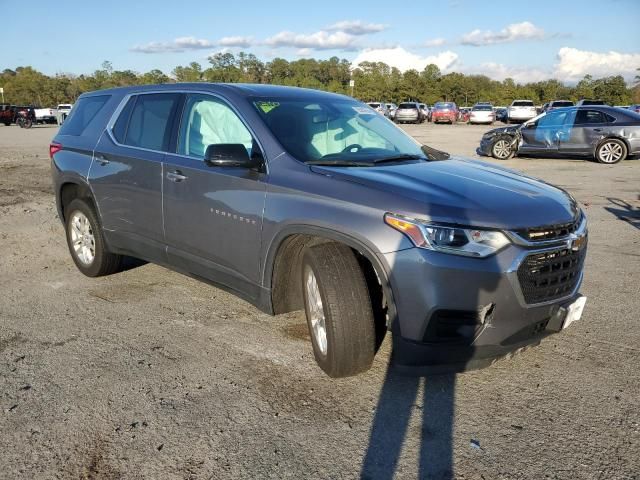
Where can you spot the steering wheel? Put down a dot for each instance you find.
(348, 148)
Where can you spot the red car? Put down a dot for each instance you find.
(444, 112)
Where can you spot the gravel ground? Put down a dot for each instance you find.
(150, 374)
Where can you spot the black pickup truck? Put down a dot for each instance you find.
(6, 114)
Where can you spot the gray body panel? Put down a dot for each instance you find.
(227, 224)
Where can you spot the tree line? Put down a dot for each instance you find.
(373, 81)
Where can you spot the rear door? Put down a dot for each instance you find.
(126, 174)
(213, 215)
(585, 131)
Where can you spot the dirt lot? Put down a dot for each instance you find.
(150, 374)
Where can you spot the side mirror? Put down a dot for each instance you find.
(230, 155)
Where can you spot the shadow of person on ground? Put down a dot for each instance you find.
(625, 211)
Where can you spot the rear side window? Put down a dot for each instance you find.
(149, 125)
(120, 127)
(82, 114)
(585, 117)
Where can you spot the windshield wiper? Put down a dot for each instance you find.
(399, 158)
(340, 163)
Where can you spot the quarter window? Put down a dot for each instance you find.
(120, 128)
(209, 121)
(83, 114)
(150, 123)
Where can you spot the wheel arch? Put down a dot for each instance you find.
(70, 189)
(284, 257)
(613, 137)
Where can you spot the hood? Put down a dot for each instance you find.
(464, 192)
(511, 129)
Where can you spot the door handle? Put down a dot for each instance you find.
(597, 129)
(176, 176)
(102, 159)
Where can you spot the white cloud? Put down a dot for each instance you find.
(435, 42)
(404, 60)
(178, 45)
(321, 40)
(498, 71)
(356, 27)
(238, 41)
(512, 33)
(573, 64)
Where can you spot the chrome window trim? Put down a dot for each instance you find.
(125, 99)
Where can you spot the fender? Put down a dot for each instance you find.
(365, 248)
(71, 177)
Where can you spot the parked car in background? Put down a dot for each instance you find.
(521, 111)
(424, 111)
(46, 115)
(6, 114)
(408, 112)
(501, 114)
(557, 104)
(62, 112)
(586, 102)
(444, 112)
(464, 114)
(392, 107)
(634, 108)
(252, 187)
(482, 113)
(605, 133)
(380, 107)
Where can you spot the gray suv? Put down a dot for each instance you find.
(298, 199)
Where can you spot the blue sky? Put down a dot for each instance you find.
(525, 40)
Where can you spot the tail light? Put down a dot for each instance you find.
(54, 148)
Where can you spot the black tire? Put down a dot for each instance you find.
(497, 148)
(346, 306)
(6, 124)
(104, 262)
(611, 151)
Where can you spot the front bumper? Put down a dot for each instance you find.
(477, 303)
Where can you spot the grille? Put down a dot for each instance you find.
(551, 232)
(550, 275)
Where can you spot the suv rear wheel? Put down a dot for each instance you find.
(338, 309)
(86, 241)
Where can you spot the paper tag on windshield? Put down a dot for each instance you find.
(364, 111)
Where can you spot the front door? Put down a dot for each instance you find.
(543, 136)
(213, 215)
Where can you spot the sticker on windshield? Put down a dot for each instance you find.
(364, 111)
(266, 107)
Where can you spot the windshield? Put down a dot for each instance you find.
(407, 106)
(522, 103)
(443, 105)
(334, 129)
(482, 108)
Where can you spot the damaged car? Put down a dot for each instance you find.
(605, 133)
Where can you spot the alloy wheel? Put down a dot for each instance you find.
(611, 152)
(316, 311)
(501, 149)
(82, 238)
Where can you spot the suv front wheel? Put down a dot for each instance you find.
(86, 242)
(338, 309)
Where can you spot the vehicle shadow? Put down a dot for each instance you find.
(625, 211)
(398, 400)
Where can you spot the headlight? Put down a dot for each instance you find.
(458, 241)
